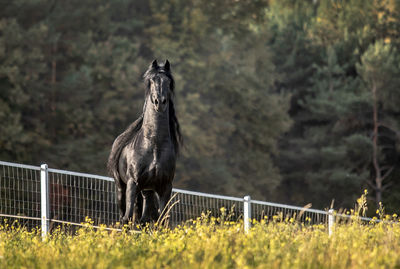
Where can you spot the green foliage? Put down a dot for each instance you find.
(274, 98)
(379, 67)
(329, 147)
(86, 88)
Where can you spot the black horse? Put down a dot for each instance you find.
(142, 159)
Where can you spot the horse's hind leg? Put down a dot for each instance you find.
(150, 206)
(121, 196)
(131, 192)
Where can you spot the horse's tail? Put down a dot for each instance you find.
(119, 144)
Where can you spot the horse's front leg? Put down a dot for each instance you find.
(137, 212)
(165, 195)
(131, 193)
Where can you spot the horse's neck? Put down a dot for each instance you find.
(155, 125)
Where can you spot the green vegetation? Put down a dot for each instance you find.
(208, 243)
(288, 101)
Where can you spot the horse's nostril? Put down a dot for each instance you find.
(164, 101)
(156, 102)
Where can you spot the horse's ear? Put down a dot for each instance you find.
(167, 66)
(154, 64)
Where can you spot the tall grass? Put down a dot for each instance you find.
(207, 243)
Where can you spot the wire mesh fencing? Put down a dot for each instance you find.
(72, 197)
(265, 210)
(20, 193)
(191, 205)
(77, 196)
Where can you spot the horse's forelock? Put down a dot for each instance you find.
(153, 72)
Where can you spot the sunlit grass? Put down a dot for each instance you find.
(208, 243)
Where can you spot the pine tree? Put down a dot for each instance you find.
(380, 71)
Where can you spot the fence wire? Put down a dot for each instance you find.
(192, 204)
(75, 196)
(264, 210)
(20, 193)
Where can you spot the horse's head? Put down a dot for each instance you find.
(160, 85)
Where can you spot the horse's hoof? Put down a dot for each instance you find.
(124, 221)
(145, 222)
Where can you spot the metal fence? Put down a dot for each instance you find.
(75, 196)
(190, 205)
(41, 196)
(20, 193)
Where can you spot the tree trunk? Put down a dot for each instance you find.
(53, 82)
(378, 174)
(53, 77)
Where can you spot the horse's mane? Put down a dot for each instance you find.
(120, 142)
(129, 134)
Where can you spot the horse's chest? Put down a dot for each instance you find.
(161, 165)
(157, 169)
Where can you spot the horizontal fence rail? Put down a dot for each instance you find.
(73, 197)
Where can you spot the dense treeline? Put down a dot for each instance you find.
(291, 101)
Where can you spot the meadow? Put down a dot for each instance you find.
(208, 243)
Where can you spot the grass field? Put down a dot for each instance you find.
(208, 243)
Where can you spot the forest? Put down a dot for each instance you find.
(288, 101)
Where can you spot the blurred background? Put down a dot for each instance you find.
(288, 101)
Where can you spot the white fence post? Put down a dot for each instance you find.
(247, 213)
(44, 201)
(331, 221)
